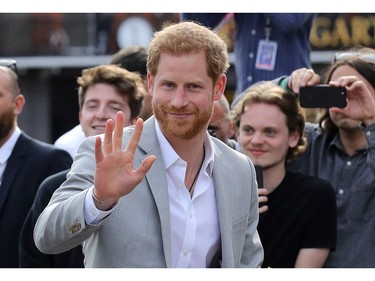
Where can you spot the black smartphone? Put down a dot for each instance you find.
(322, 96)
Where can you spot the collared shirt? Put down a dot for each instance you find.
(71, 140)
(6, 150)
(353, 178)
(194, 220)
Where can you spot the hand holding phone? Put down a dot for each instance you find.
(322, 96)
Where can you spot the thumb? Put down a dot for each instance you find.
(146, 165)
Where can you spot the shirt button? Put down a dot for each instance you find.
(368, 133)
(185, 253)
(190, 216)
(253, 32)
(349, 163)
(341, 191)
(249, 78)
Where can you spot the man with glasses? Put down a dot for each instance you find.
(24, 163)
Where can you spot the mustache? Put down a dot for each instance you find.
(185, 110)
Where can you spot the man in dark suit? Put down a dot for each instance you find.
(24, 164)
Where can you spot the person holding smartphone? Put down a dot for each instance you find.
(341, 150)
(297, 221)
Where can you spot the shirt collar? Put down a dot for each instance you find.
(7, 148)
(170, 156)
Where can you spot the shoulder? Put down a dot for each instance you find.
(228, 154)
(311, 184)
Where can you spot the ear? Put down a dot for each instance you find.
(19, 102)
(150, 84)
(293, 139)
(219, 87)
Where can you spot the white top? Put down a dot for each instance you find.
(71, 140)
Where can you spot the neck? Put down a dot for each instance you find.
(273, 176)
(352, 140)
(189, 150)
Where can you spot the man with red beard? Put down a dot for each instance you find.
(24, 164)
(162, 193)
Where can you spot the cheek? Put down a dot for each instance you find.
(243, 139)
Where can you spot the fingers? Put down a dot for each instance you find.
(263, 209)
(303, 77)
(146, 166)
(119, 127)
(107, 143)
(136, 135)
(98, 150)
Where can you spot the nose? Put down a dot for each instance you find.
(179, 99)
(102, 113)
(257, 138)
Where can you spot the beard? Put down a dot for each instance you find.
(183, 129)
(6, 123)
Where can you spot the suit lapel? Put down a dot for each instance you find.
(158, 184)
(13, 166)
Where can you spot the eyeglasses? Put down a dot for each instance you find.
(348, 55)
(12, 64)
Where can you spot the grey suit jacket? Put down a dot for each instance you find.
(137, 233)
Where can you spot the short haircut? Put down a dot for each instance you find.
(189, 38)
(126, 83)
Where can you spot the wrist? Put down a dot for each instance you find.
(103, 204)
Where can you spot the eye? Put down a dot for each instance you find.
(91, 105)
(194, 86)
(247, 130)
(168, 84)
(270, 132)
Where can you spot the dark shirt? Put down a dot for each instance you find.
(301, 214)
(353, 179)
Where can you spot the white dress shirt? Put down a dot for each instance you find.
(6, 150)
(194, 220)
(71, 140)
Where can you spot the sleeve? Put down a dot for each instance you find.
(253, 251)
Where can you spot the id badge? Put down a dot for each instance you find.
(266, 55)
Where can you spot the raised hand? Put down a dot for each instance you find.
(115, 175)
(361, 102)
(301, 78)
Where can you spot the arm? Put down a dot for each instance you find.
(109, 169)
(311, 258)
